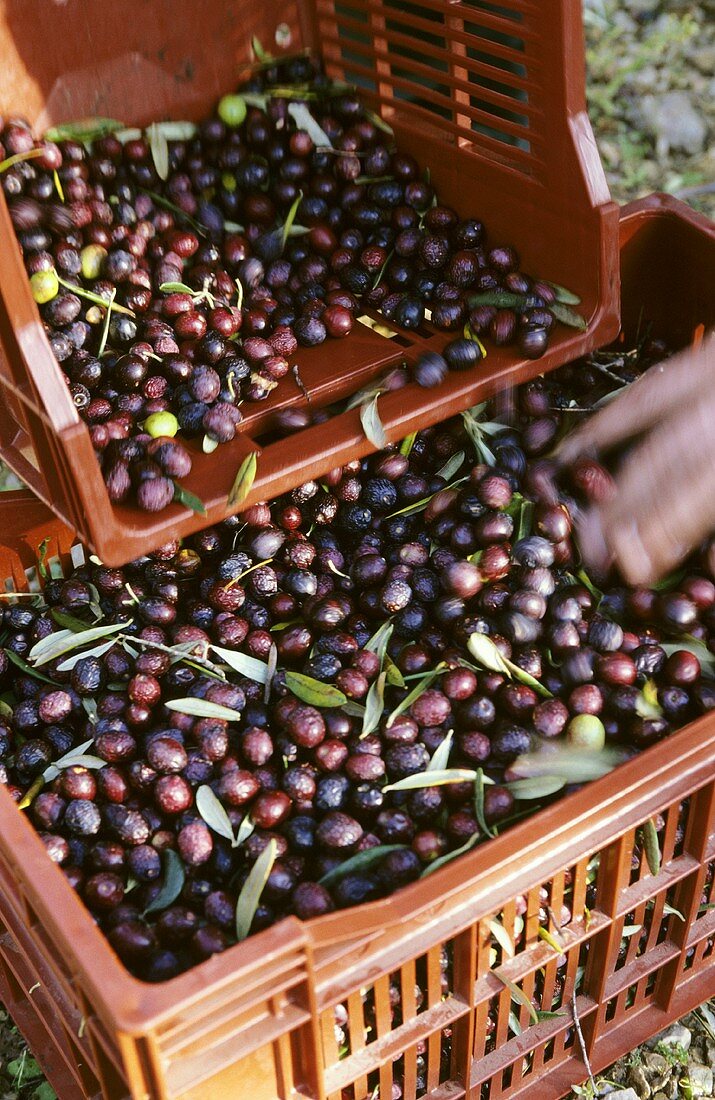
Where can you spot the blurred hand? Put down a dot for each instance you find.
(665, 500)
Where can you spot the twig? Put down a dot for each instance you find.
(299, 382)
(582, 1042)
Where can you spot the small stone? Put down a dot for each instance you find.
(638, 1080)
(657, 1069)
(674, 122)
(701, 1080)
(675, 1035)
(623, 1094)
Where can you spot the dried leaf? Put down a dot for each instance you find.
(651, 845)
(203, 708)
(314, 692)
(372, 425)
(305, 121)
(64, 641)
(361, 861)
(432, 779)
(502, 937)
(159, 147)
(539, 787)
(247, 666)
(440, 756)
(243, 482)
(214, 813)
(567, 316)
(189, 500)
(374, 705)
(172, 883)
(252, 889)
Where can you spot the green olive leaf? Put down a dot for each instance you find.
(64, 641)
(243, 482)
(314, 692)
(271, 666)
(548, 937)
(567, 316)
(647, 705)
(651, 845)
(372, 424)
(361, 861)
(538, 787)
(564, 295)
(18, 661)
(172, 883)
(374, 705)
(177, 288)
(189, 500)
(290, 218)
(214, 813)
(159, 148)
(502, 937)
(177, 131)
(203, 708)
(305, 121)
(419, 689)
(517, 993)
(407, 444)
(252, 889)
(571, 765)
(451, 466)
(479, 782)
(18, 158)
(440, 756)
(441, 861)
(84, 130)
(433, 779)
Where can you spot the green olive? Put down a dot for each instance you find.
(92, 257)
(586, 731)
(232, 110)
(161, 423)
(44, 285)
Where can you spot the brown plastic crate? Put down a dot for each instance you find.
(258, 1020)
(491, 97)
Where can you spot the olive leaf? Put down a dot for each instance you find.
(440, 756)
(259, 53)
(18, 158)
(647, 705)
(214, 814)
(378, 120)
(28, 669)
(436, 864)
(567, 316)
(487, 654)
(480, 780)
(244, 479)
(290, 218)
(407, 444)
(252, 889)
(64, 641)
(67, 621)
(177, 130)
(172, 883)
(42, 558)
(168, 205)
(502, 299)
(694, 646)
(433, 779)
(371, 423)
(361, 861)
(517, 993)
(538, 787)
(419, 688)
(247, 666)
(548, 937)
(651, 845)
(96, 299)
(394, 676)
(159, 148)
(208, 445)
(189, 500)
(177, 288)
(502, 937)
(76, 757)
(305, 121)
(203, 708)
(525, 520)
(107, 320)
(572, 765)
(451, 466)
(314, 692)
(97, 651)
(374, 705)
(564, 295)
(83, 130)
(271, 666)
(380, 640)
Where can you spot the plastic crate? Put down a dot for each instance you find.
(258, 1020)
(490, 97)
